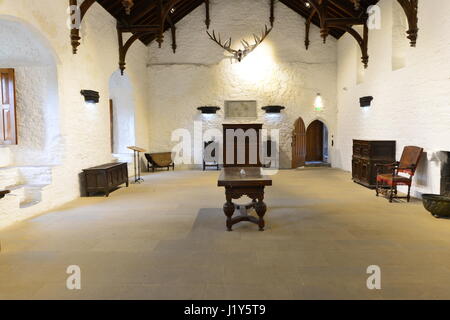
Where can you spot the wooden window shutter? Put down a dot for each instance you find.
(8, 123)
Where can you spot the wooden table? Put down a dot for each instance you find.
(237, 185)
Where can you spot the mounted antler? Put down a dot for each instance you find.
(241, 53)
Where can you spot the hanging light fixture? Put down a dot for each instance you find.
(318, 102)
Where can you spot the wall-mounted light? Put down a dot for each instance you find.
(365, 102)
(208, 109)
(273, 109)
(318, 102)
(91, 96)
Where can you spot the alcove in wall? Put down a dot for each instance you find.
(36, 88)
(123, 113)
(399, 44)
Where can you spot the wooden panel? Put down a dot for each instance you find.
(246, 148)
(111, 123)
(299, 144)
(314, 141)
(8, 123)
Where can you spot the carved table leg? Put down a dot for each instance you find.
(228, 209)
(261, 208)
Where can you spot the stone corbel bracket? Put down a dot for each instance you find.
(411, 10)
(81, 12)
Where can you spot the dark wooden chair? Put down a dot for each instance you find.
(388, 175)
(210, 160)
(159, 160)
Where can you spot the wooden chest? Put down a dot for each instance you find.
(366, 154)
(106, 177)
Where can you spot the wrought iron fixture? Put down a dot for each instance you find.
(90, 96)
(365, 101)
(273, 109)
(241, 53)
(208, 109)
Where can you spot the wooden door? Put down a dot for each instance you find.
(298, 144)
(111, 123)
(314, 141)
(8, 123)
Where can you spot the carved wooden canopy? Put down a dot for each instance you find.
(147, 20)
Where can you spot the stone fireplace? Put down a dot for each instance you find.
(445, 174)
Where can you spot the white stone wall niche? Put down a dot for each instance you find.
(121, 94)
(400, 43)
(37, 98)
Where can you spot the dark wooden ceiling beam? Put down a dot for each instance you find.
(410, 8)
(149, 19)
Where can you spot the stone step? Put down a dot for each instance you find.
(9, 205)
(9, 176)
(27, 194)
(29, 203)
(317, 164)
(5, 157)
(38, 175)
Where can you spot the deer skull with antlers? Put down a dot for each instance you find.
(241, 53)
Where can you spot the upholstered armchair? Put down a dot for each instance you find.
(392, 175)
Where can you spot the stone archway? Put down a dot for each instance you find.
(317, 142)
(27, 166)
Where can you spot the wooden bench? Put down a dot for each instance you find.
(106, 177)
(159, 160)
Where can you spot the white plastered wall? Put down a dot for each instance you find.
(280, 71)
(411, 104)
(84, 133)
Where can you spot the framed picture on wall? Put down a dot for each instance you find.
(240, 109)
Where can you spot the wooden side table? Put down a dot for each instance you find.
(238, 184)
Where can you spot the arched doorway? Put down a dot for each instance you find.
(298, 144)
(316, 143)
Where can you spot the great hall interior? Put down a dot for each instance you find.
(225, 149)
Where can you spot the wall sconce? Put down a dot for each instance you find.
(318, 102)
(208, 109)
(90, 96)
(273, 109)
(365, 102)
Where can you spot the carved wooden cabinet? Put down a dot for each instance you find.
(106, 177)
(366, 154)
